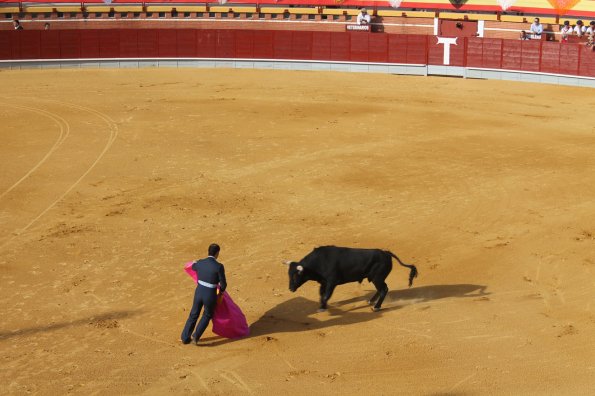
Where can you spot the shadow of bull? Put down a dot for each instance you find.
(299, 314)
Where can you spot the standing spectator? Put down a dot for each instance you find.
(536, 29)
(591, 39)
(363, 18)
(17, 25)
(566, 30)
(580, 28)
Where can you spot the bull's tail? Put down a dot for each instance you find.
(413, 269)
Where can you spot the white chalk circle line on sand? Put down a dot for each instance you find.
(113, 128)
(64, 132)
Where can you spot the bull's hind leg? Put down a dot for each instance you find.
(374, 298)
(382, 291)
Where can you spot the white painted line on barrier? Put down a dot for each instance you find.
(234, 20)
(515, 30)
(530, 72)
(80, 60)
(297, 64)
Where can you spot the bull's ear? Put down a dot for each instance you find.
(300, 268)
(286, 262)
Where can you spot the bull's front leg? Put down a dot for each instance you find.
(322, 290)
(325, 294)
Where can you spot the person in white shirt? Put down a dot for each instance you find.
(566, 30)
(536, 29)
(363, 18)
(580, 28)
(524, 35)
(591, 36)
(17, 25)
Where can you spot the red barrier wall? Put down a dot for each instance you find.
(532, 56)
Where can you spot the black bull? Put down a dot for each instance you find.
(331, 266)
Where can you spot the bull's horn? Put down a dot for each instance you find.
(286, 262)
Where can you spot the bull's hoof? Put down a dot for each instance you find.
(321, 310)
(374, 309)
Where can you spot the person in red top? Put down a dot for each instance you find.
(211, 274)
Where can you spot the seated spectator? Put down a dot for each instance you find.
(524, 35)
(591, 28)
(17, 25)
(536, 29)
(46, 26)
(363, 18)
(566, 30)
(580, 28)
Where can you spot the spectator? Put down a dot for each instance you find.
(536, 29)
(363, 18)
(524, 35)
(46, 26)
(566, 30)
(17, 25)
(591, 40)
(580, 28)
(591, 28)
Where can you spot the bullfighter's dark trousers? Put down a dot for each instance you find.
(203, 297)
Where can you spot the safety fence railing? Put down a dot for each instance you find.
(575, 59)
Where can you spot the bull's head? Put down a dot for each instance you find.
(296, 275)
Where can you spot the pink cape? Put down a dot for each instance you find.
(228, 319)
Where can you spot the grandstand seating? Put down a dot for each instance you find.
(201, 15)
(103, 17)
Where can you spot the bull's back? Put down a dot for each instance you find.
(351, 264)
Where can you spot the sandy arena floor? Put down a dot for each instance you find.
(111, 180)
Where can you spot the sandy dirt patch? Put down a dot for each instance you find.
(111, 180)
